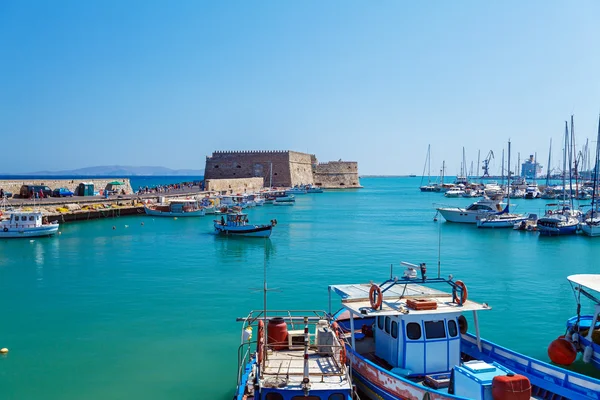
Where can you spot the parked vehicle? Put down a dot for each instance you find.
(62, 192)
(37, 191)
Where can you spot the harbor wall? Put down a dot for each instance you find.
(337, 175)
(14, 185)
(301, 168)
(232, 186)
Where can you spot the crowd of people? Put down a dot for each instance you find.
(167, 188)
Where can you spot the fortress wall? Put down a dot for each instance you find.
(14, 185)
(301, 168)
(337, 175)
(232, 186)
(249, 164)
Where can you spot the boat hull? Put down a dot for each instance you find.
(155, 213)
(590, 229)
(461, 216)
(41, 231)
(259, 231)
(499, 223)
(556, 229)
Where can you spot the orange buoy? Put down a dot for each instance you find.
(562, 352)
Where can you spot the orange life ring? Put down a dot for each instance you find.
(260, 341)
(343, 354)
(464, 293)
(375, 302)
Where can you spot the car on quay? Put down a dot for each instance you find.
(62, 192)
(37, 191)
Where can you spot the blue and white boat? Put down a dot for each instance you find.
(559, 219)
(580, 333)
(406, 340)
(295, 190)
(298, 356)
(26, 224)
(237, 224)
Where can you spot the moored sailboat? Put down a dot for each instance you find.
(591, 222)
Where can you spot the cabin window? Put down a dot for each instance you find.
(274, 396)
(452, 331)
(239, 166)
(388, 321)
(216, 166)
(413, 331)
(380, 323)
(337, 396)
(435, 330)
(31, 218)
(394, 329)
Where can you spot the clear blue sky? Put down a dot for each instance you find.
(86, 83)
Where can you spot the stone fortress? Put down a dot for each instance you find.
(236, 170)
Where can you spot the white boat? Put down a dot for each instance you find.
(532, 192)
(517, 193)
(409, 340)
(455, 192)
(26, 224)
(313, 189)
(590, 225)
(504, 219)
(480, 209)
(295, 190)
(175, 208)
(285, 199)
(237, 224)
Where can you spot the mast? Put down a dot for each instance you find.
(508, 180)
(443, 171)
(534, 168)
(464, 163)
(548, 170)
(428, 166)
(502, 168)
(571, 164)
(478, 159)
(565, 163)
(596, 171)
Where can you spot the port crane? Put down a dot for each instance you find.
(486, 164)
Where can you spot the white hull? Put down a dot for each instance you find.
(590, 229)
(460, 215)
(45, 230)
(500, 222)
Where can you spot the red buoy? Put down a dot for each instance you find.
(511, 387)
(562, 352)
(277, 333)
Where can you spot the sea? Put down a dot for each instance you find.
(145, 308)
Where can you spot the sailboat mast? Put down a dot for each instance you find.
(508, 180)
(535, 167)
(565, 162)
(502, 168)
(478, 159)
(595, 184)
(571, 164)
(548, 168)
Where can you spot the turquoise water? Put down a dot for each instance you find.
(148, 311)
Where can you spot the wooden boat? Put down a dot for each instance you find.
(175, 208)
(26, 224)
(401, 351)
(298, 356)
(237, 224)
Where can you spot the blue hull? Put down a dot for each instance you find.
(563, 230)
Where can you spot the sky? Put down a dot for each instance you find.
(112, 82)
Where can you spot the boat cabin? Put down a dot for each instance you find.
(236, 219)
(414, 330)
(24, 220)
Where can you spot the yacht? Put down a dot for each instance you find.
(477, 210)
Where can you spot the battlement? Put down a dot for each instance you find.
(237, 152)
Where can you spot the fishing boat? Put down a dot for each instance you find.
(313, 189)
(583, 331)
(591, 221)
(287, 200)
(297, 355)
(503, 219)
(407, 340)
(237, 224)
(175, 208)
(477, 210)
(21, 224)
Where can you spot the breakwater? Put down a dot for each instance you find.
(14, 185)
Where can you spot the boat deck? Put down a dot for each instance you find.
(355, 298)
(285, 368)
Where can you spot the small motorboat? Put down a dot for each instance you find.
(18, 224)
(237, 224)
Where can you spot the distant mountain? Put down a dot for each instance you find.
(120, 170)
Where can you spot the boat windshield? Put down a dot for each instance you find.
(477, 207)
